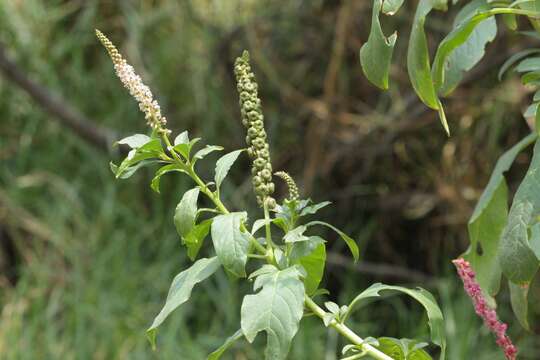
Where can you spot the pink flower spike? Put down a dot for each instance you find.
(472, 288)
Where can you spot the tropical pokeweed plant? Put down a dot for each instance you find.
(280, 252)
(502, 241)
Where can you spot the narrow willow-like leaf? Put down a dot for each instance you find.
(216, 355)
(468, 54)
(223, 165)
(276, 309)
(518, 300)
(376, 53)
(312, 209)
(208, 149)
(180, 291)
(186, 212)
(488, 221)
(518, 262)
(390, 7)
(435, 316)
(353, 247)
(230, 243)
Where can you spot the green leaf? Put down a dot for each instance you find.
(418, 62)
(216, 355)
(186, 213)
(182, 138)
(314, 265)
(488, 220)
(348, 240)
(529, 64)
(129, 171)
(195, 238)
(518, 300)
(296, 234)
(376, 53)
(223, 165)
(391, 347)
(162, 171)
(435, 316)
(205, 151)
(304, 248)
(180, 291)
(406, 349)
(390, 7)
(471, 51)
(276, 309)
(517, 259)
(135, 141)
(312, 209)
(535, 240)
(230, 243)
(515, 58)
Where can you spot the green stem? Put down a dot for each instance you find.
(346, 332)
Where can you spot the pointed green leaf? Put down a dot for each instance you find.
(296, 234)
(376, 53)
(195, 238)
(182, 138)
(276, 309)
(517, 259)
(488, 220)
(348, 240)
(390, 7)
(205, 151)
(162, 171)
(313, 263)
(186, 213)
(223, 165)
(180, 291)
(135, 141)
(518, 300)
(435, 316)
(230, 243)
(216, 355)
(312, 209)
(515, 58)
(466, 55)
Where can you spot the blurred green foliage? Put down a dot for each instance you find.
(85, 263)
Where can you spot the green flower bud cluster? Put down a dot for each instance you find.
(293, 189)
(253, 120)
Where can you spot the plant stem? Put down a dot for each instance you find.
(269, 243)
(346, 332)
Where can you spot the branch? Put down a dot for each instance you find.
(55, 106)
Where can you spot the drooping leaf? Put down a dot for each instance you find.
(216, 355)
(195, 238)
(435, 316)
(231, 243)
(276, 309)
(518, 300)
(129, 171)
(418, 60)
(186, 212)
(470, 52)
(518, 261)
(162, 171)
(223, 165)
(488, 220)
(348, 240)
(180, 291)
(376, 53)
(135, 141)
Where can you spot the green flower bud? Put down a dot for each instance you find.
(293, 189)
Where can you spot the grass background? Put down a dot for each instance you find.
(86, 261)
